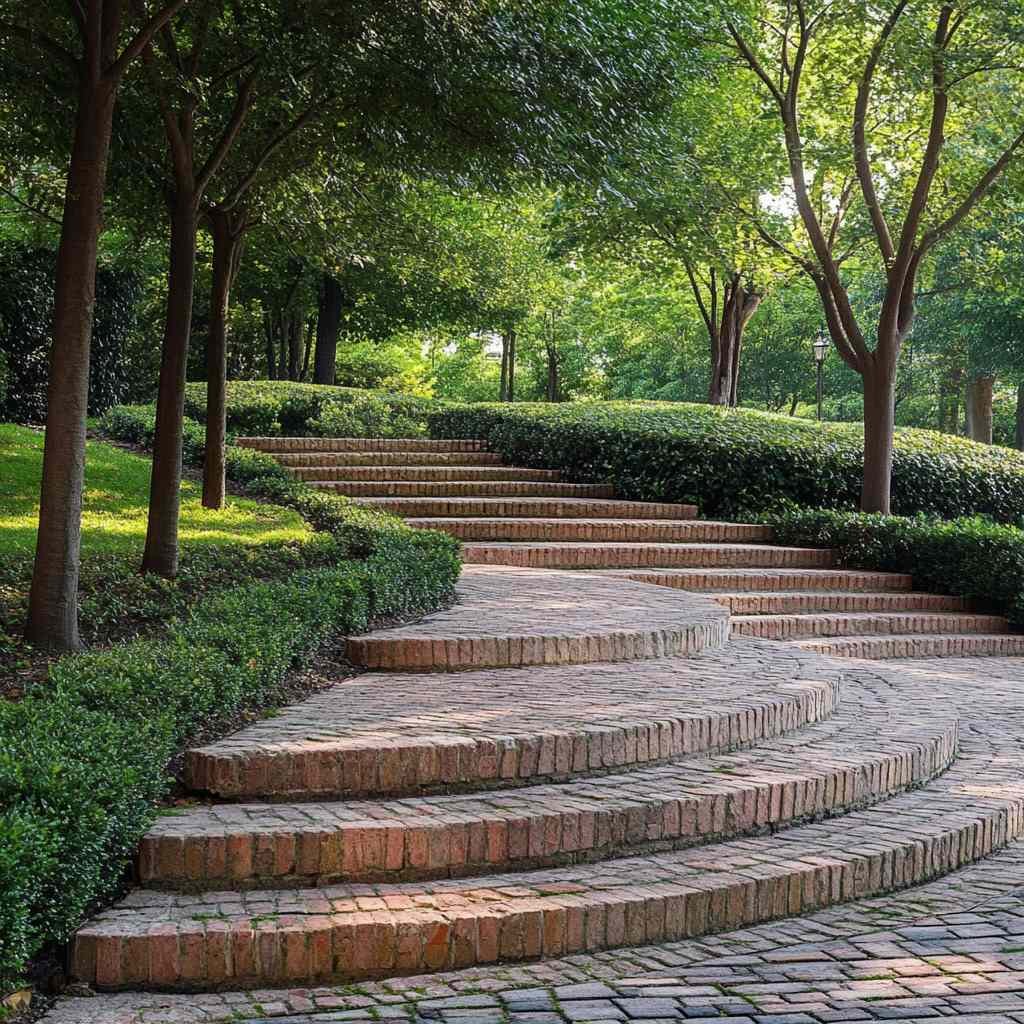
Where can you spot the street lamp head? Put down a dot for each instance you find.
(821, 346)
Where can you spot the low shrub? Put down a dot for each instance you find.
(736, 463)
(971, 557)
(84, 754)
(268, 408)
(83, 757)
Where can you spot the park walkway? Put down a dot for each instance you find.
(595, 799)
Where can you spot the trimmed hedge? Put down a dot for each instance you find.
(83, 756)
(970, 557)
(736, 462)
(269, 408)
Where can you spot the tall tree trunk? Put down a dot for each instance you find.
(228, 234)
(268, 334)
(949, 401)
(1019, 438)
(294, 344)
(161, 553)
(328, 324)
(307, 348)
(508, 366)
(738, 306)
(879, 431)
(53, 600)
(979, 404)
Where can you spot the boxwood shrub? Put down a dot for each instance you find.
(971, 557)
(735, 463)
(268, 408)
(84, 754)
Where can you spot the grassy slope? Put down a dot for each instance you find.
(116, 499)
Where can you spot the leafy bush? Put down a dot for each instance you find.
(971, 557)
(83, 757)
(736, 463)
(268, 408)
(26, 331)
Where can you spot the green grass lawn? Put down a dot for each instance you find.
(116, 501)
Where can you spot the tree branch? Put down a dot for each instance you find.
(144, 37)
(42, 40)
(243, 101)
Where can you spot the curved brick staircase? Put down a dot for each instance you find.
(570, 761)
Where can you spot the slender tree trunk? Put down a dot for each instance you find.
(268, 334)
(227, 247)
(307, 348)
(1019, 438)
(511, 389)
(949, 401)
(738, 306)
(282, 344)
(879, 431)
(553, 389)
(294, 344)
(328, 325)
(979, 405)
(161, 554)
(508, 366)
(53, 601)
(503, 385)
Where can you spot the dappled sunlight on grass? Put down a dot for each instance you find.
(116, 501)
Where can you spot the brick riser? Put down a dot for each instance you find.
(797, 603)
(880, 648)
(547, 826)
(388, 473)
(582, 555)
(387, 458)
(759, 580)
(275, 445)
(567, 508)
(463, 488)
(839, 624)
(601, 530)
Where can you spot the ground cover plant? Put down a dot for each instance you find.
(735, 463)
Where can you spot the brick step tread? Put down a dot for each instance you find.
(591, 529)
(765, 579)
(351, 932)
(948, 645)
(389, 458)
(866, 623)
(401, 734)
(512, 617)
(857, 758)
(807, 601)
(571, 508)
(461, 488)
(505, 474)
(595, 554)
(358, 444)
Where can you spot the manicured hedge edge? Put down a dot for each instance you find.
(268, 408)
(738, 463)
(968, 557)
(83, 756)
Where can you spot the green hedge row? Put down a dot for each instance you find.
(970, 557)
(83, 756)
(738, 463)
(268, 408)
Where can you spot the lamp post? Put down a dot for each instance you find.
(821, 347)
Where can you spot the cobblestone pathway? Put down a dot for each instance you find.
(583, 797)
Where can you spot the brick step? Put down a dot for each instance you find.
(597, 555)
(392, 472)
(358, 444)
(456, 489)
(513, 617)
(850, 762)
(726, 580)
(389, 458)
(841, 624)
(797, 602)
(971, 645)
(264, 938)
(568, 508)
(644, 530)
(400, 734)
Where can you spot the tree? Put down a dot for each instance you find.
(82, 54)
(923, 73)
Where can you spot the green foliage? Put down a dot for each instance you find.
(738, 462)
(83, 757)
(26, 316)
(268, 408)
(971, 557)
